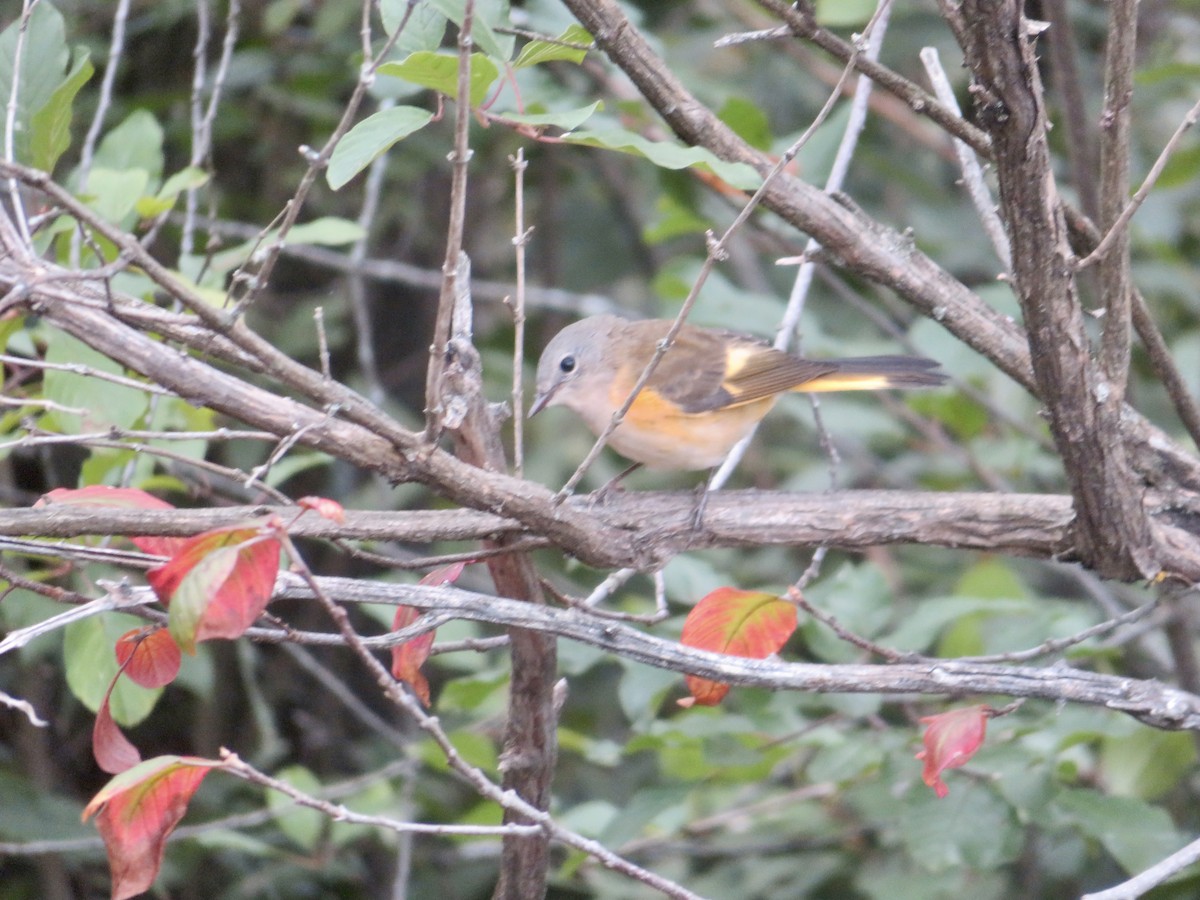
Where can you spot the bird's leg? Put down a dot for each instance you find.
(702, 501)
(612, 484)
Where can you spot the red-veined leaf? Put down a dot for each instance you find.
(149, 656)
(137, 810)
(950, 741)
(323, 506)
(739, 623)
(407, 658)
(112, 750)
(218, 584)
(121, 498)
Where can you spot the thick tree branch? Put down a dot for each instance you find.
(1148, 701)
(657, 525)
(1085, 409)
(530, 733)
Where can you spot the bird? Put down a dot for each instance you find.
(708, 391)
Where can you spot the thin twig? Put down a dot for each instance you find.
(202, 117)
(520, 241)
(1064, 71)
(485, 787)
(1122, 221)
(317, 161)
(845, 634)
(460, 158)
(802, 23)
(968, 162)
(234, 765)
(364, 331)
(19, 214)
(1143, 882)
(400, 272)
(1116, 132)
(116, 49)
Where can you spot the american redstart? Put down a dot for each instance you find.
(708, 391)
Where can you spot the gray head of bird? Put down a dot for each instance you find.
(570, 363)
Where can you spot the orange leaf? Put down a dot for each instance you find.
(407, 658)
(112, 750)
(739, 623)
(951, 739)
(121, 498)
(149, 656)
(138, 809)
(323, 506)
(218, 584)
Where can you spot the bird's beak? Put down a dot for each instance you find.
(541, 401)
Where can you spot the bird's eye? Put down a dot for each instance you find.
(567, 364)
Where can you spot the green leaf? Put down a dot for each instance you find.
(991, 579)
(965, 418)
(50, 128)
(328, 231)
(302, 825)
(674, 219)
(134, 144)
(1135, 833)
(568, 119)
(103, 403)
(185, 179)
(748, 122)
(937, 837)
(424, 29)
(844, 13)
(537, 52)
(371, 138)
(439, 71)
(377, 798)
(113, 193)
(667, 155)
(91, 664)
(44, 59)
(488, 15)
(1147, 763)
(1183, 167)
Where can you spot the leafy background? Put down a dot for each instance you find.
(770, 795)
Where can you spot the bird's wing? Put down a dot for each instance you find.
(707, 370)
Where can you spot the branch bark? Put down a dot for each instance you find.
(1148, 701)
(1084, 406)
(656, 525)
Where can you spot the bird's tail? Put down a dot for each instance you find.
(876, 373)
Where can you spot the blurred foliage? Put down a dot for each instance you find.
(770, 795)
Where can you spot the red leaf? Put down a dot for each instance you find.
(149, 656)
(445, 575)
(407, 658)
(218, 584)
(950, 741)
(112, 750)
(739, 623)
(138, 809)
(122, 498)
(323, 506)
